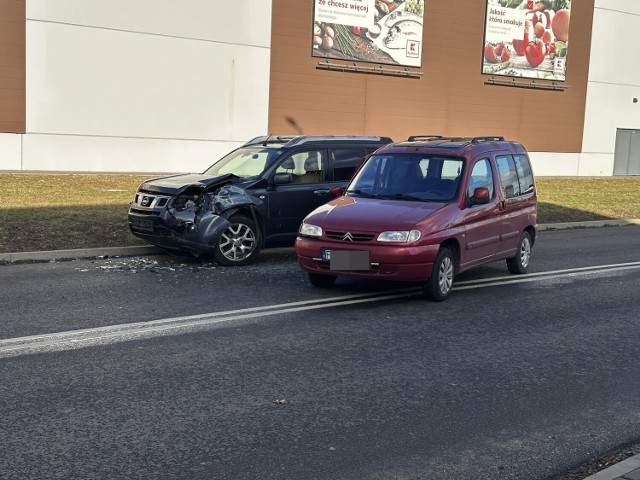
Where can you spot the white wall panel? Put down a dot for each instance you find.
(629, 6)
(246, 22)
(88, 81)
(596, 164)
(104, 154)
(545, 164)
(614, 54)
(608, 108)
(10, 151)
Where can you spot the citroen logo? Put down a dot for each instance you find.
(347, 237)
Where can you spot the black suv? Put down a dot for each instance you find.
(254, 197)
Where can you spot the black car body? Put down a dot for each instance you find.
(254, 197)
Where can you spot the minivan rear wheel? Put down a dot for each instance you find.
(440, 283)
(520, 262)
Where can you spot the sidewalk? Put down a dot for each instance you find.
(628, 469)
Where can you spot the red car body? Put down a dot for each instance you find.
(474, 225)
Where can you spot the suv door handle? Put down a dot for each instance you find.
(321, 192)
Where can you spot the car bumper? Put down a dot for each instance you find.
(180, 236)
(392, 262)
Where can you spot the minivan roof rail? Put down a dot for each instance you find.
(413, 138)
(266, 139)
(487, 139)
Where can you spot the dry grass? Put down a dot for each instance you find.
(56, 211)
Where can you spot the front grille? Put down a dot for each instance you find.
(355, 236)
(138, 211)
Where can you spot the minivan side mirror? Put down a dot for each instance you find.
(336, 192)
(480, 196)
(282, 178)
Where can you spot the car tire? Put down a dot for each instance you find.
(239, 243)
(321, 281)
(519, 264)
(440, 283)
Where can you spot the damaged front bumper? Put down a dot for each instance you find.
(192, 220)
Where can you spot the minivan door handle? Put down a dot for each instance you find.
(503, 205)
(321, 192)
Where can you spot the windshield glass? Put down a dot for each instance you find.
(404, 176)
(244, 162)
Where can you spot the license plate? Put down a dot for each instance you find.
(141, 224)
(352, 260)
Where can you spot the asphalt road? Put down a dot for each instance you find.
(164, 368)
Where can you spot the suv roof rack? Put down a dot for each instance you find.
(266, 139)
(414, 138)
(320, 138)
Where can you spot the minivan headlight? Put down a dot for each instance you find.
(399, 236)
(308, 230)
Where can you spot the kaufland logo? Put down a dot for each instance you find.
(413, 49)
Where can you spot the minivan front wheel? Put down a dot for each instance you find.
(440, 283)
(239, 244)
(520, 262)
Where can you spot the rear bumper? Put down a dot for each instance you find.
(391, 262)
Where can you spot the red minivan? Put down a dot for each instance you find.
(425, 210)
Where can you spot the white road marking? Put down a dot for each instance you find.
(133, 331)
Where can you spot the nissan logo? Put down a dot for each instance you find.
(347, 237)
(145, 201)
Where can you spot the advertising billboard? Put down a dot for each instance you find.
(377, 31)
(527, 38)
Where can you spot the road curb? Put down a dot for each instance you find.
(49, 255)
(620, 471)
(74, 254)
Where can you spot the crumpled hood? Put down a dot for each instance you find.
(178, 183)
(371, 215)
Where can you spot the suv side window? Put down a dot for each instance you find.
(508, 176)
(345, 161)
(525, 175)
(304, 167)
(481, 176)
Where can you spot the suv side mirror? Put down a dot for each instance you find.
(480, 196)
(336, 192)
(282, 178)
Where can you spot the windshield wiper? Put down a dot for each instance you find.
(403, 196)
(363, 194)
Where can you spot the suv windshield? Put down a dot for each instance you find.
(415, 176)
(244, 162)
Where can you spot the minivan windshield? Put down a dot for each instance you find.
(416, 177)
(244, 162)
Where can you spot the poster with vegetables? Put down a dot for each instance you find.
(376, 31)
(527, 38)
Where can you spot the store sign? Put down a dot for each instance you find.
(527, 38)
(376, 31)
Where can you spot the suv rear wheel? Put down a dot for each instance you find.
(439, 285)
(239, 244)
(520, 263)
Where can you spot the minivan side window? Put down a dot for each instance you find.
(525, 175)
(481, 176)
(345, 161)
(508, 176)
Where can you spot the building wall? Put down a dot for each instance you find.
(450, 99)
(614, 81)
(12, 81)
(144, 86)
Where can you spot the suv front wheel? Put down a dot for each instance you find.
(239, 244)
